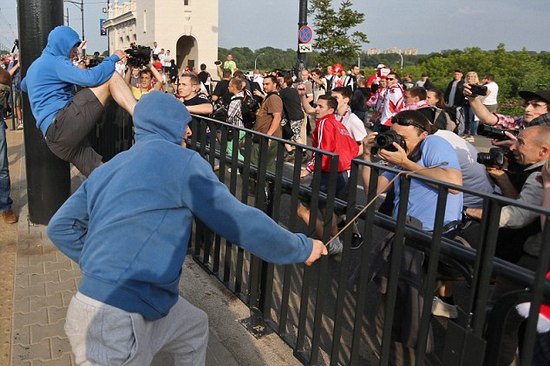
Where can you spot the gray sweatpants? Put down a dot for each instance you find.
(101, 334)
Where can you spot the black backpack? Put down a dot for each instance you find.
(249, 107)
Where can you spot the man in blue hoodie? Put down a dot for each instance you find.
(128, 226)
(65, 118)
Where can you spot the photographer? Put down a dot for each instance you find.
(535, 104)
(409, 146)
(50, 82)
(531, 149)
(520, 228)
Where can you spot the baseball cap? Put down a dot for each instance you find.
(543, 95)
(380, 66)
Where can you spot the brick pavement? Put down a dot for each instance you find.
(37, 283)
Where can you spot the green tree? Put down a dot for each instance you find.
(334, 36)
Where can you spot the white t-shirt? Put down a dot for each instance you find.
(491, 99)
(353, 124)
(474, 174)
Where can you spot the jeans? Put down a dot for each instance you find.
(5, 186)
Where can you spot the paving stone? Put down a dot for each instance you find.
(67, 297)
(23, 280)
(48, 277)
(56, 314)
(39, 316)
(64, 360)
(22, 335)
(72, 274)
(53, 287)
(22, 305)
(44, 257)
(56, 266)
(40, 332)
(38, 290)
(29, 269)
(29, 352)
(60, 347)
(37, 302)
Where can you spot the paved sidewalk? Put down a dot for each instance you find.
(37, 283)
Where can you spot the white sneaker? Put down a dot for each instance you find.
(335, 247)
(441, 308)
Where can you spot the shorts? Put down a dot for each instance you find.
(341, 186)
(67, 136)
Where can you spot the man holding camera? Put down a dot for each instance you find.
(517, 240)
(65, 118)
(409, 146)
(535, 104)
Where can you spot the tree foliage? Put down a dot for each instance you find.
(334, 36)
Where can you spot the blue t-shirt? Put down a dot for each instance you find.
(423, 197)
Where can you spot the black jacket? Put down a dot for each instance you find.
(459, 99)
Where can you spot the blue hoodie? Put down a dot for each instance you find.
(51, 78)
(128, 224)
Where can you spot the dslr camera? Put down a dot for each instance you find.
(478, 90)
(385, 141)
(494, 158)
(494, 132)
(138, 56)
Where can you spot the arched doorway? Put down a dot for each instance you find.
(187, 52)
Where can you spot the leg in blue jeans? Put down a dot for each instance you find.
(5, 186)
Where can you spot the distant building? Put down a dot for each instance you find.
(410, 51)
(188, 28)
(373, 51)
(392, 50)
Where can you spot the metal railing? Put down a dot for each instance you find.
(331, 313)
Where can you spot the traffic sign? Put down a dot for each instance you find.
(305, 47)
(305, 34)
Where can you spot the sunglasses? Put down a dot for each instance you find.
(406, 122)
(390, 78)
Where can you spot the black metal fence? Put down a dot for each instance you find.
(332, 313)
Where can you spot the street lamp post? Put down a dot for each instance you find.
(256, 59)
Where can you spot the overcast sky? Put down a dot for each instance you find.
(428, 25)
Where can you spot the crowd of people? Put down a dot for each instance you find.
(343, 112)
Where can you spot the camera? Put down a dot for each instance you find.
(478, 90)
(494, 158)
(217, 62)
(494, 133)
(138, 56)
(386, 139)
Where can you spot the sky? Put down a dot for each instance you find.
(428, 25)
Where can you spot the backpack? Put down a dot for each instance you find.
(249, 107)
(458, 116)
(4, 95)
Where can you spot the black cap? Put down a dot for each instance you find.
(543, 95)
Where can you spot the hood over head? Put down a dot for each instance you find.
(160, 115)
(61, 40)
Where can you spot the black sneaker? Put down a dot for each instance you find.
(356, 241)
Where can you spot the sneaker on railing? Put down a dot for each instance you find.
(443, 309)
